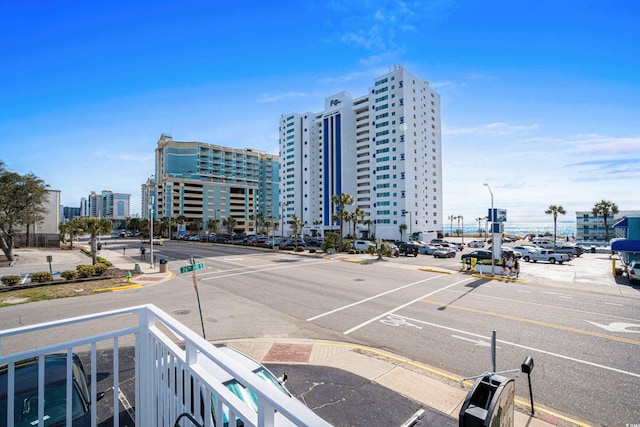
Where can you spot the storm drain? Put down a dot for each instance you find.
(180, 312)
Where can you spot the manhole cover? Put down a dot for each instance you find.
(181, 312)
(358, 280)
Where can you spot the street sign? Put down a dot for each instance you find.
(192, 267)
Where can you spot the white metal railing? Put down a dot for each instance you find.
(170, 384)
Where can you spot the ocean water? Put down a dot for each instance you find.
(520, 229)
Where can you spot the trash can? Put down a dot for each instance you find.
(593, 249)
(489, 403)
(137, 269)
(163, 265)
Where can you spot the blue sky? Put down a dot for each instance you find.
(540, 99)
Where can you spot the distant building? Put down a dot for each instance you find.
(109, 205)
(383, 148)
(69, 213)
(590, 230)
(203, 182)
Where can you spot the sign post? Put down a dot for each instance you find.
(193, 267)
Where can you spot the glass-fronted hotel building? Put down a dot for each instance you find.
(203, 181)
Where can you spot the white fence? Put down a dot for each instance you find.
(170, 384)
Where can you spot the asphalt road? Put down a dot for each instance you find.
(580, 327)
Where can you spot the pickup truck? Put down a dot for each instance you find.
(547, 255)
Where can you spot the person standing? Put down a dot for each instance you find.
(143, 250)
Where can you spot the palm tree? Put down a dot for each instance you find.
(295, 224)
(451, 218)
(95, 227)
(480, 219)
(604, 208)
(555, 210)
(368, 223)
(358, 214)
(347, 217)
(402, 227)
(340, 201)
(230, 223)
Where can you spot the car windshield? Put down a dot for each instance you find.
(55, 408)
(247, 395)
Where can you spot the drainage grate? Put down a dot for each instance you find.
(180, 312)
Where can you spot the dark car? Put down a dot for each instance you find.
(25, 395)
(407, 249)
(479, 254)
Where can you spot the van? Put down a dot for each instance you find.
(543, 242)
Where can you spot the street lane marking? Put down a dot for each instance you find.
(398, 321)
(535, 322)
(618, 327)
(549, 353)
(363, 324)
(344, 307)
(280, 267)
(556, 307)
(478, 342)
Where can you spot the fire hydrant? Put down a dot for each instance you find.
(128, 276)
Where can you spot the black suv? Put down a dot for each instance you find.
(407, 249)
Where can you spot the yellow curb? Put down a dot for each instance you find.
(503, 279)
(119, 288)
(436, 270)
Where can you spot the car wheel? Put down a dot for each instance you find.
(560, 262)
(526, 259)
(552, 260)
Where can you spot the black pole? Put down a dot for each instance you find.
(530, 393)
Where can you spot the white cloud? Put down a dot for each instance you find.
(497, 128)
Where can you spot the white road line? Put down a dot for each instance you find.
(561, 356)
(262, 269)
(355, 328)
(371, 298)
(126, 405)
(556, 307)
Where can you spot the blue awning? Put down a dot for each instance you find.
(625, 245)
(623, 223)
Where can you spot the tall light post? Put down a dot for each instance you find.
(410, 221)
(493, 246)
(282, 221)
(151, 200)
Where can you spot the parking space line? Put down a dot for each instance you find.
(363, 324)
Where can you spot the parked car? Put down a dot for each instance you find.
(444, 253)
(574, 251)
(362, 245)
(428, 249)
(479, 254)
(633, 272)
(508, 252)
(547, 255)
(525, 249)
(407, 249)
(245, 395)
(25, 396)
(293, 242)
(476, 244)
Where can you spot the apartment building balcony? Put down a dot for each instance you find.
(171, 384)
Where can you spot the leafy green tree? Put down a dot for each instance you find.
(22, 197)
(604, 208)
(295, 224)
(213, 224)
(555, 211)
(95, 227)
(340, 201)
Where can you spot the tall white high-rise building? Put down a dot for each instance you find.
(383, 148)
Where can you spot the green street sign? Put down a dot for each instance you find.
(192, 267)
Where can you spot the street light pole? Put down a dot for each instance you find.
(282, 221)
(493, 246)
(151, 231)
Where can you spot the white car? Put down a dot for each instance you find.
(476, 244)
(362, 245)
(633, 272)
(237, 388)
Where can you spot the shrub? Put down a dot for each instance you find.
(104, 261)
(99, 268)
(312, 251)
(346, 246)
(11, 280)
(330, 241)
(85, 270)
(69, 274)
(41, 277)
